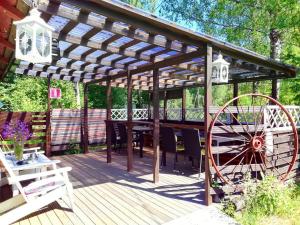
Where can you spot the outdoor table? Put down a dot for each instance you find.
(140, 130)
(40, 162)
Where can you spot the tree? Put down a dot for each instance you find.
(25, 93)
(269, 27)
(147, 5)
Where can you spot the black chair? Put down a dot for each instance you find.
(122, 134)
(168, 143)
(113, 134)
(122, 140)
(115, 137)
(192, 145)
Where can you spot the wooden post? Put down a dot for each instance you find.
(48, 120)
(155, 99)
(274, 93)
(149, 106)
(235, 103)
(183, 105)
(165, 106)
(85, 121)
(207, 119)
(109, 125)
(129, 123)
(235, 91)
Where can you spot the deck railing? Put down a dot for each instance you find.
(273, 115)
(275, 118)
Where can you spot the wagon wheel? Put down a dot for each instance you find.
(243, 142)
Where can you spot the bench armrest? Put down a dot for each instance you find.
(42, 174)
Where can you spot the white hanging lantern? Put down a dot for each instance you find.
(33, 39)
(220, 70)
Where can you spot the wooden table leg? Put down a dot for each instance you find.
(141, 137)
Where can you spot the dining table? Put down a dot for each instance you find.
(140, 131)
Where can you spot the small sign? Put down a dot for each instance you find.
(55, 93)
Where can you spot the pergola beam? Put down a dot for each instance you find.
(104, 46)
(11, 11)
(4, 60)
(6, 43)
(164, 63)
(103, 25)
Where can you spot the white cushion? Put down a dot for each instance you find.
(43, 186)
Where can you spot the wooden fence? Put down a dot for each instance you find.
(67, 127)
(36, 122)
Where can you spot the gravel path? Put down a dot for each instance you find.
(207, 216)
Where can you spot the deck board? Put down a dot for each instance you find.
(108, 194)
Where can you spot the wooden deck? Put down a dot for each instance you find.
(107, 194)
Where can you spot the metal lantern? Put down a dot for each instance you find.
(220, 70)
(33, 39)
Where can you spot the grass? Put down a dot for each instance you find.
(268, 202)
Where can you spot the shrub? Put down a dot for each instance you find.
(267, 200)
(268, 197)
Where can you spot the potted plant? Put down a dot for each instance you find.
(18, 132)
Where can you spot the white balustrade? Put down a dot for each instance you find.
(137, 114)
(174, 114)
(194, 114)
(276, 119)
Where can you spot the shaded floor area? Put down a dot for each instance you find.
(107, 194)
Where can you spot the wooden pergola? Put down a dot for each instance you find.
(115, 45)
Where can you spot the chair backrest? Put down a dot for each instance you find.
(167, 139)
(122, 132)
(11, 174)
(112, 132)
(191, 142)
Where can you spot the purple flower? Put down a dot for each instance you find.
(18, 131)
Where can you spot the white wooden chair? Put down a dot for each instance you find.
(50, 186)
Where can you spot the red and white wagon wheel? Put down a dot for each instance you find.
(255, 137)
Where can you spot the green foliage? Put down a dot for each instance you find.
(247, 23)
(148, 5)
(24, 93)
(68, 99)
(267, 199)
(229, 209)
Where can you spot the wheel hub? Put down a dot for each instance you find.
(256, 143)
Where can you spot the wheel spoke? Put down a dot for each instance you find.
(235, 157)
(240, 163)
(277, 158)
(260, 114)
(239, 122)
(231, 129)
(230, 150)
(263, 159)
(274, 167)
(255, 165)
(243, 113)
(250, 162)
(230, 138)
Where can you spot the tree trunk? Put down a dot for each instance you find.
(275, 43)
(275, 50)
(77, 94)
